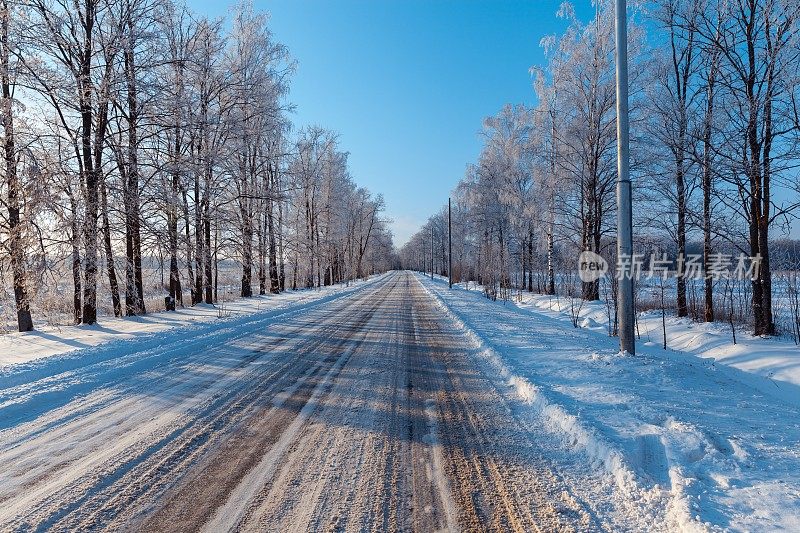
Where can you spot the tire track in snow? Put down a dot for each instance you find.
(237, 505)
(102, 475)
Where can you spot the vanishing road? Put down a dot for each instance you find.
(359, 412)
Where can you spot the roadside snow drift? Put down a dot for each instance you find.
(701, 443)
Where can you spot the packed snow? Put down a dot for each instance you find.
(359, 412)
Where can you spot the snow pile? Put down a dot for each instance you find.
(693, 444)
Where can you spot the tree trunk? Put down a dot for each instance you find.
(274, 281)
(77, 301)
(111, 269)
(282, 264)
(209, 295)
(175, 289)
(764, 270)
(15, 244)
(90, 178)
(708, 314)
(590, 290)
(188, 237)
(680, 187)
(134, 289)
(262, 254)
(755, 251)
(197, 295)
(216, 264)
(247, 255)
(99, 175)
(551, 278)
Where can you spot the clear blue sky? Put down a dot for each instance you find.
(406, 83)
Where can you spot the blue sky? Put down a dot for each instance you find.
(407, 83)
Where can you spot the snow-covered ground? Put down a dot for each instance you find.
(388, 400)
(716, 446)
(49, 341)
(773, 362)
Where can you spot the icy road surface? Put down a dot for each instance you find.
(360, 412)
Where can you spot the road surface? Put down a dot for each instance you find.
(360, 413)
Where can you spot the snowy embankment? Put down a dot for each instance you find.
(158, 328)
(773, 364)
(701, 445)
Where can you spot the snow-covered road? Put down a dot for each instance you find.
(360, 412)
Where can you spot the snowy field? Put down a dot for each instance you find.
(771, 364)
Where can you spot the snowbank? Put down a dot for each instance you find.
(697, 445)
(773, 364)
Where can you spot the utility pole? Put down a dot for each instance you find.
(431, 249)
(624, 215)
(449, 243)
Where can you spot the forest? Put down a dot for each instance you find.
(150, 162)
(715, 147)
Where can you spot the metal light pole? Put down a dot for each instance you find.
(624, 216)
(449, 243)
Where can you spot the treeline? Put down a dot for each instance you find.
(715, 149)
(146, 147)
